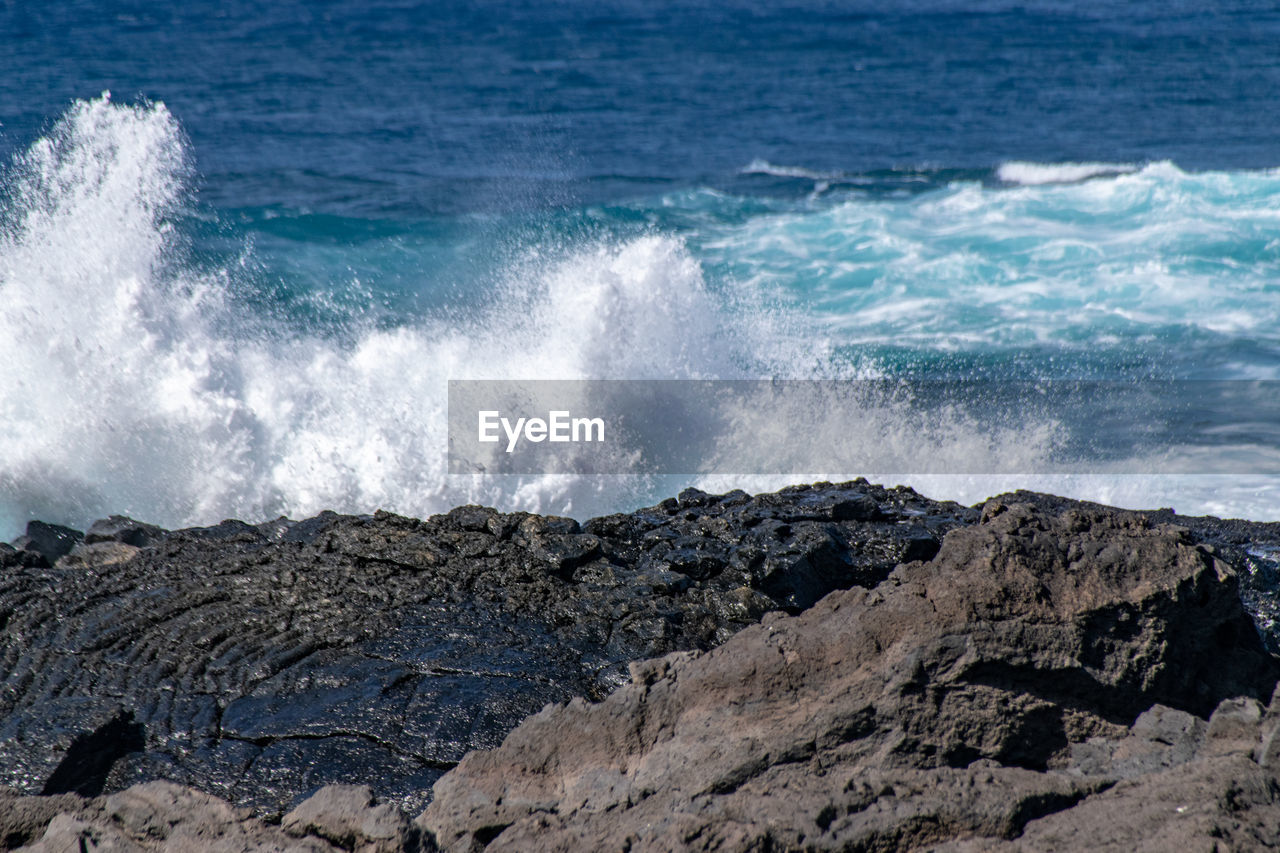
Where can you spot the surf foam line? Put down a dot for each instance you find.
(1035, 174)
(1155, 261)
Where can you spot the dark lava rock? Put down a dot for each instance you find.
(11, 556)
(121, 528)
(48, 541)
(260, 663)
(1061, 677)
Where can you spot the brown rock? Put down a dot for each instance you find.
(957, 700)
(23, 820)
(98, 554)
(1220, 804)
(1234, 728)
(150, 817)
(69, 834)
(350, 817)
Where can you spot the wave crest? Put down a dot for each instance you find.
(1036, 174)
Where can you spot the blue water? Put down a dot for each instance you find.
(238, 284)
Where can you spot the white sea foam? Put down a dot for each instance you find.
(764, 167)
(131, 382)
(1034, 174)
(1077, 266)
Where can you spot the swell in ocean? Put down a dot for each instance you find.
(141, 377)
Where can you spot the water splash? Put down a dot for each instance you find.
(134, 381)
(131, 385)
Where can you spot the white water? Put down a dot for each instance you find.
(1034, 174)
(129, 386)
(129, 382)
(1190, 259)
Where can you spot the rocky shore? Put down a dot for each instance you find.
(827, 667)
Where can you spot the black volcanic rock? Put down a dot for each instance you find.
(1060, 677)
(48, 541)
(121, 528)
(259, 663)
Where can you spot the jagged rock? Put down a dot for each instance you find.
(1161, 737)
(1061, 676)
(261, 663)
(96, 555)
(1043, 682)
(1220, 804)
(121, 528)
(151, 817)
(11, 556)
(49, 541)
(350, 817)
(24, 819)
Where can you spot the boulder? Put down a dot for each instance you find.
(49, 541)
(152, 817)
(125, 530)
(350, 817)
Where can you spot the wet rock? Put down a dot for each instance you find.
(49, 541)
(89, 757)
(11, 556)
(1054, 678)
(230, 530)
(121, 528)
(263, 662)
(1051, 675)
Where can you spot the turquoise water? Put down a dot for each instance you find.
(238, 285)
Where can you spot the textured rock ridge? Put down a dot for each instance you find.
(259, 663)
(163, 816)
(1041, 675)
(1068, 677)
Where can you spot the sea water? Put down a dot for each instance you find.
(244, 248)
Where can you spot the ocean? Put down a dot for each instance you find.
(244, 247)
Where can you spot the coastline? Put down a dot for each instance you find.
(1069, 653)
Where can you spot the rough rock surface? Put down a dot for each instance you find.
(1058, 677)
(42, 544)
(165, 816)
(258, 663)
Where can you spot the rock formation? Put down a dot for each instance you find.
(260, 663)
(165, 816)
(1041, 684)
(829, 667)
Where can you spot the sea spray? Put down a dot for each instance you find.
(131, 385)
(113, 386)
(137, 380)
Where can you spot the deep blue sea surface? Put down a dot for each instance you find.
(238, 284)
